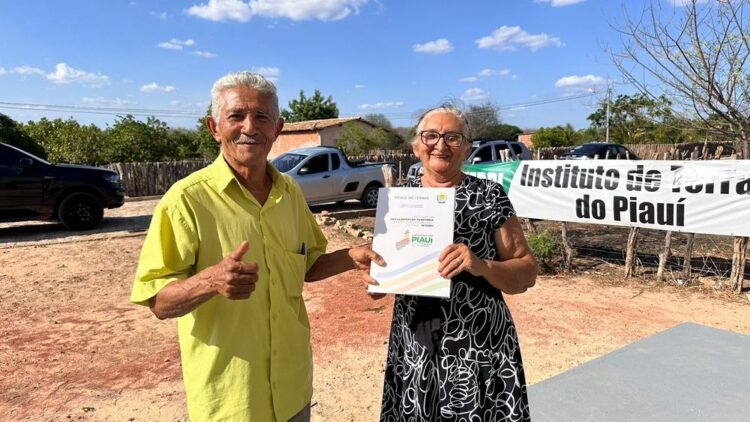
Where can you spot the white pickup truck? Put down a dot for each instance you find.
(325, 175)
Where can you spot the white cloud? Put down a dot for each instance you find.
(169, 46)
(439, 46)
(560, 3)
(175, 44)
(106, 102)
(64, 74)
(485, 73)
(323, 10)
(204, 54)
(28, 70)
(493, 72)
(359, 86)
(221, 10)
(238, 10)
(154, 87)
(162, 15)
(579, 82)
(382, 105)
(508, 38)
(3, 71)
(270, 73)
(474, 94)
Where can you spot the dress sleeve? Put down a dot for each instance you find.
(500, 205)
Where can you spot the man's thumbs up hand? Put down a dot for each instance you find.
(232, 277)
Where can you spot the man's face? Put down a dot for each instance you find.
(441, 158)
(247, 126)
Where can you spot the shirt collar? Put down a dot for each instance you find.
(224, 176)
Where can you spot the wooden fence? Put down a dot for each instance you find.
(659, 151)
(147, 179)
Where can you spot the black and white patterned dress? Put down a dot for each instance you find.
(458, 359)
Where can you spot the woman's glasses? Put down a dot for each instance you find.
(432, 137)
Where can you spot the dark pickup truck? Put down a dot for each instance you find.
(33, 189)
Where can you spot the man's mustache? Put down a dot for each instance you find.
(249, 140)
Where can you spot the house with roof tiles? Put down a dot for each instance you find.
(313, 133)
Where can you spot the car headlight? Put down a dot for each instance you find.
(112, 178)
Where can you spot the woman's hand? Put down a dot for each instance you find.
(362, 257)
(457, 258)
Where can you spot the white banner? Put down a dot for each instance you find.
(684, 196)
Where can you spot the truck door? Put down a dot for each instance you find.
(313, 177)
(22, 184)
(337, 175)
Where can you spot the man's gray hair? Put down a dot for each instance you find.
(246, 79)
(447, 107)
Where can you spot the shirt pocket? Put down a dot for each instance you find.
(294, 276)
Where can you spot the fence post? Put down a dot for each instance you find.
(569, 252)
(664, 257)
(630, 254)
(737, 276)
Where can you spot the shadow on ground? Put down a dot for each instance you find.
(36, 231)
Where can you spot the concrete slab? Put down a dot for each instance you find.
(686, 373)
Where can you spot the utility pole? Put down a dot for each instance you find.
(609, 91)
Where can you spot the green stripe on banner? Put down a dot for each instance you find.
(498, 172)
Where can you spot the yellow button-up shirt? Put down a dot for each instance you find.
(242, 360)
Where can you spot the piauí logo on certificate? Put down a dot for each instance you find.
(421, 240)
(416, 240)
(441, 198)
(404, 241)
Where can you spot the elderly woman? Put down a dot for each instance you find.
(458, 358)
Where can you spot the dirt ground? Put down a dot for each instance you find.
(74, 348)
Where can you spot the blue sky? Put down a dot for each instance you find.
(371, 56)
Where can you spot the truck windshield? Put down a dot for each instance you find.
(286, 162)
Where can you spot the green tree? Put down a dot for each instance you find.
(589, 134)
(407, 134)
(558, 136)
(482, 118)
(313, 108)
(67, 141)
(393, 139)
(379, 120)
(503, 131)
(358, 140)
(637, 118)
(130, 140)
(205, 144)
(12, 133)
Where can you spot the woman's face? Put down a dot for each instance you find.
(441, 159)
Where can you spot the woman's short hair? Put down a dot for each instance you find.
(246, 79)
(447, 107)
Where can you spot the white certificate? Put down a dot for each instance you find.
(412, 227)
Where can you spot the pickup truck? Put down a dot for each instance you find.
(485, 151)
(325, 175)
(33, 189)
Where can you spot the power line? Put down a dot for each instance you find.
(411, 115)
(403, 115)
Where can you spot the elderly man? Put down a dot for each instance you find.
(227, 252)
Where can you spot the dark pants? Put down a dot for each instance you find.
(303, 415)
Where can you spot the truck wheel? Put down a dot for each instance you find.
(370, 196)
(80, 211)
